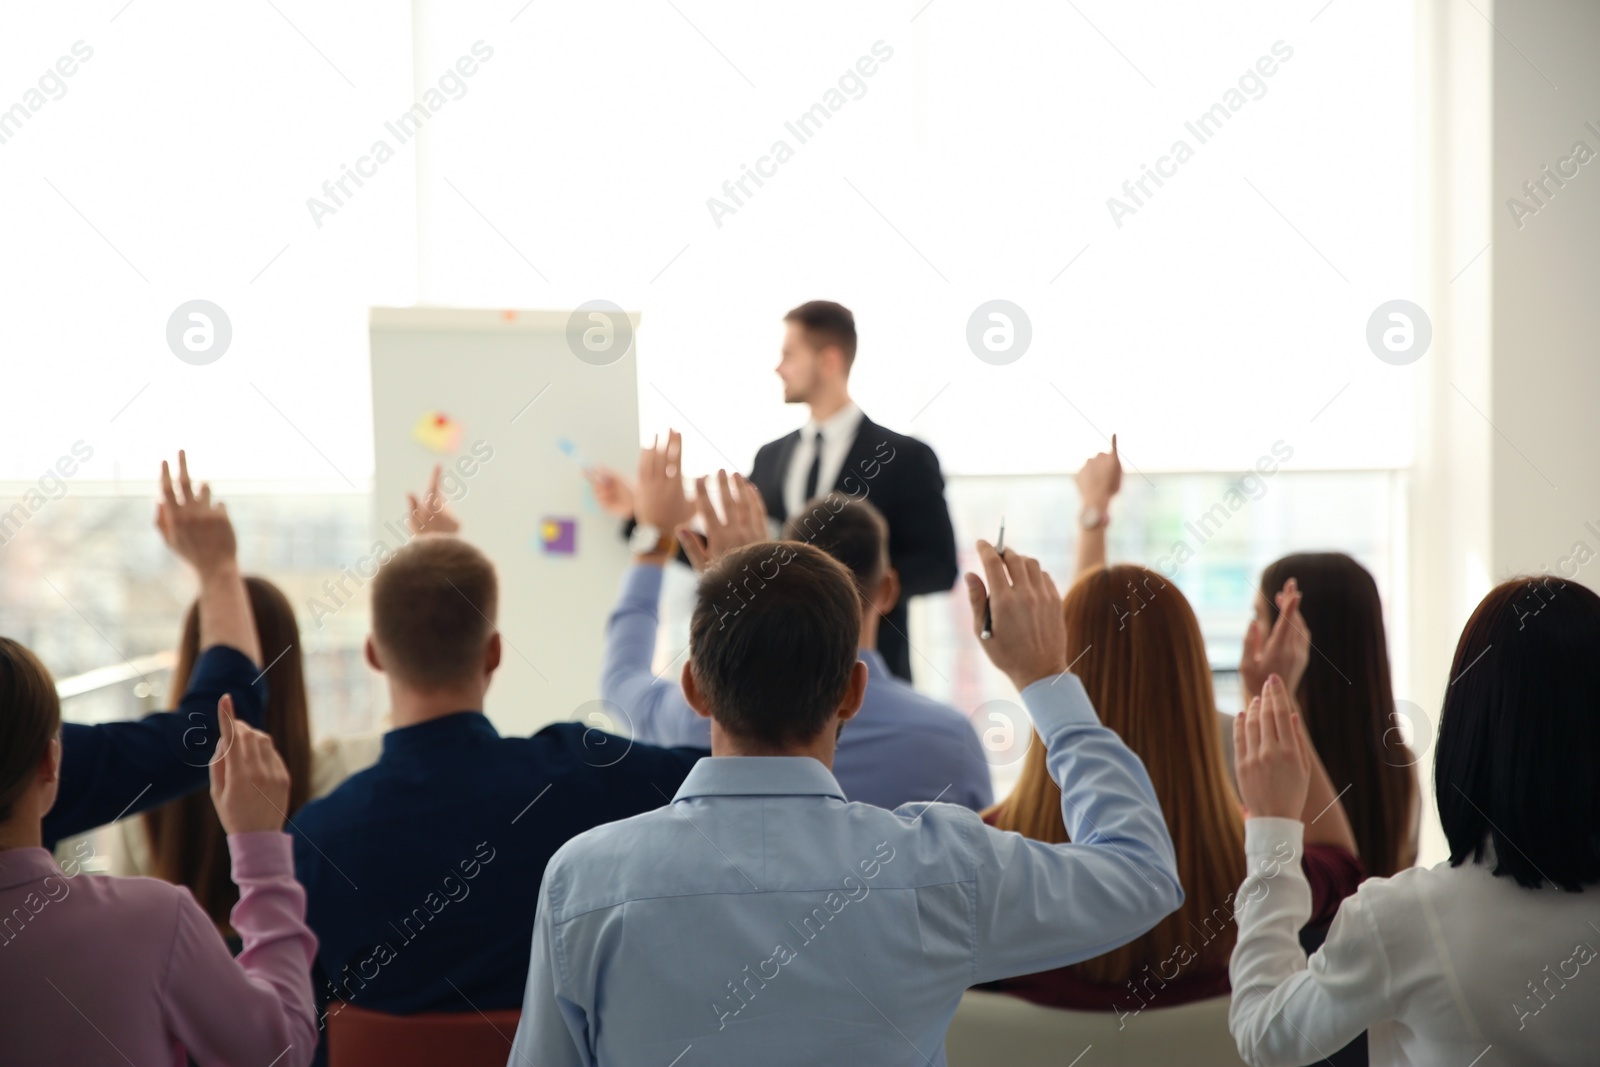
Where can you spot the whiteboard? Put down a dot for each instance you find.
(539, 393)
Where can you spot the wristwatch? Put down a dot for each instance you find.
(647, 538)
(1092, 518)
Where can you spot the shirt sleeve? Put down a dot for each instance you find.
(553, 1031)
(115, 769)
(1288, 1010)
(1333, 874)
(259, 1006)
(979, 786)
(1042, 906)
(655, 709)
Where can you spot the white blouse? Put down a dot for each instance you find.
(1440, 965)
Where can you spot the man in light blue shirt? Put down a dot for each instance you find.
(902, 747)
(762, 918)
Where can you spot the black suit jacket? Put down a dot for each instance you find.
(900, 476)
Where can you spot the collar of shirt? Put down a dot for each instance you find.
(840, 425)
(765, 776)
(19, 866)
(444, 730)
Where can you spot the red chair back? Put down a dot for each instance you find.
(361, 1038)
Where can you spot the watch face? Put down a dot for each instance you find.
(1092, 518)
(644, 537)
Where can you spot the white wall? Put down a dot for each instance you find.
(1546, 307)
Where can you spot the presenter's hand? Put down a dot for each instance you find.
(432, 514)
(611, 491)
(1100, 478)
(743, 520)
(1284, 652)
(1029, 637)
(660, 500)
(1272, 755)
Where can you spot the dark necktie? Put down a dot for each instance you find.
(815, 472)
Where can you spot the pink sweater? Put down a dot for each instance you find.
(95, 969)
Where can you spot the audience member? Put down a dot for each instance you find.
(707, 923)
(1141, 656)
(421, 869)
(132, 966)
(1346, 698)
(110, 770)
(183, 842)
(1136, 644)
(902, 747)
(1440, 964)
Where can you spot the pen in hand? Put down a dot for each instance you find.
(1000, 550)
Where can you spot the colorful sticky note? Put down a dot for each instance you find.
(437, 432)
(559, 537)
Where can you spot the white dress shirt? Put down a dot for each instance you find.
(838, 434)
(1440, 965)
(760, 918)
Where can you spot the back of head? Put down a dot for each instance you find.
(188, 846)
(850, 530)
(1518, 754)
(1136, 645)
(1348, 700)
(773, 641)
(434, 604)
(827, 323)
(30, 717)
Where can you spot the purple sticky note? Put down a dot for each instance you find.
(559, 536)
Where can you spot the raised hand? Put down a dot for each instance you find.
(201, 535)
(432, 514)
(611, 491)
(1029, 634)
(1272, 755)
(191, 525)
(742, 522)
(1284, 652)
(1100, 477)
(249, 782)
(659, 499)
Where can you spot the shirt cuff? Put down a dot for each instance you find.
(1058, 702)
(261, 854)
(1272, 838)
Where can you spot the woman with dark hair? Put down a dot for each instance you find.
(1440, 964)
(1136, 645)
(1346, 699)
(133, 963)
(182, 842)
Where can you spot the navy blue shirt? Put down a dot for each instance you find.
(422, 872)
(114, 769)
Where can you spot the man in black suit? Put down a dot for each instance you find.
(898, 474)
(840, 449)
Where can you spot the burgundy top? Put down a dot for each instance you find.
(111, 970)
(1333, 873)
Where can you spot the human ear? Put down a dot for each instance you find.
(691, 691)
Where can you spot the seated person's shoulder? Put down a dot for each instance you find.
(933, 718)
(576, 747)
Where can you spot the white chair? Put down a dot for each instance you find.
(996, 1030)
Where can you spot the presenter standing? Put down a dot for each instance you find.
(839, 449)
